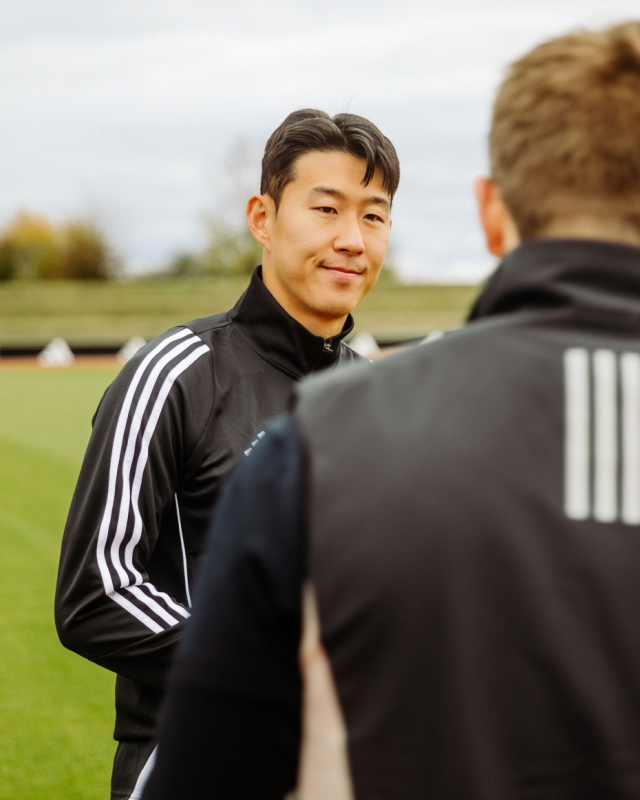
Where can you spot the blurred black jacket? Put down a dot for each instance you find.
(469, 515)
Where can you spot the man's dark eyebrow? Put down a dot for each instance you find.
(327, 190)
(380, 201)
(376, 199)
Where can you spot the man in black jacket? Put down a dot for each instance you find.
(465, 517)
(174, 421)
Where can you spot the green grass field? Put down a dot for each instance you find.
(56, 709)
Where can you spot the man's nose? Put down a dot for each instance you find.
(349, 239)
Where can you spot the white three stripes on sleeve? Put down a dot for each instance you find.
(129, 458)
(602, 435)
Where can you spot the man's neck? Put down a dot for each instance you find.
(617, 231)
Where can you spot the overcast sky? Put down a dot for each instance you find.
(126, 111)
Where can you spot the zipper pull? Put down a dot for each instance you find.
(327, 346)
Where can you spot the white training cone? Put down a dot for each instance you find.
(130, 349)
(364, 344)
(56, 354)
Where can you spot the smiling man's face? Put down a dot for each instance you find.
(324, 247)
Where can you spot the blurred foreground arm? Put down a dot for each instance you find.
(324, 766)
(232, 721)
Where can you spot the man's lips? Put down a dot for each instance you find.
(348, 273)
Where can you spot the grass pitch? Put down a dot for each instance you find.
(56, 709)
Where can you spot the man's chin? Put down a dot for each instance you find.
(334, 302)
(334, 310)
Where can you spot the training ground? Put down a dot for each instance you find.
(56, 709)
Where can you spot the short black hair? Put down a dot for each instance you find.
(310, 130)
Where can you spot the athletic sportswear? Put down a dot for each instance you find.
(468, 513)
(165, 435)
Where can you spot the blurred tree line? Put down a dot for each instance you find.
(32, 247)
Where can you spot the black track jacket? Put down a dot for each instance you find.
(469, 515)
(165, 435)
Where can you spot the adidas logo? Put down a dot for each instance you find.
(254, 443)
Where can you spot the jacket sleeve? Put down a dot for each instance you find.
(107, 609)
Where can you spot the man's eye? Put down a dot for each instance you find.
(326, 209)
(374, 217)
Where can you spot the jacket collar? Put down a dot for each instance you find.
(573, 278)
(278, 337)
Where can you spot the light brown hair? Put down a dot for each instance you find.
(565, 134)
(309, 129)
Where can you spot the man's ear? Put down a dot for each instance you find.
(500, 232)
(260, 209)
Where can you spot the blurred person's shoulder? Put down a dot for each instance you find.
(449, 350)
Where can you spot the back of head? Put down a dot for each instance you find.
(565, 134)
(309, 130)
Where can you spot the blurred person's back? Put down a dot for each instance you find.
(478, 588)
